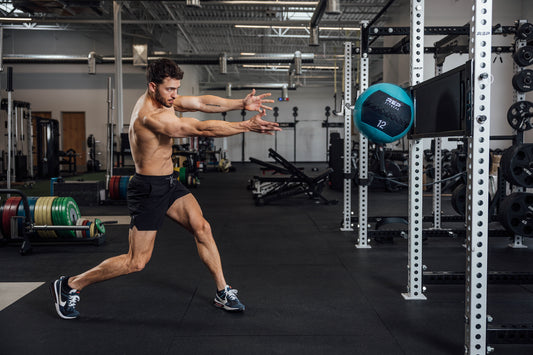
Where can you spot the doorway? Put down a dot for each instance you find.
(73, 135)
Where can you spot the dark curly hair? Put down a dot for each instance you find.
(160, 69)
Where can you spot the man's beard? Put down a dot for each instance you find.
(160, 98)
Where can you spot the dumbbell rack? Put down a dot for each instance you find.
(29, 230)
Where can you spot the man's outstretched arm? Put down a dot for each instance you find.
(173, 126)
(214, 104)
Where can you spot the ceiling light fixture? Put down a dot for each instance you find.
(301, 27)
(15, 19)
(267, 66)
(265, 2)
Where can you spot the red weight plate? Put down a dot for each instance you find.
(10, 210)
(111, 188)
(117, 187)
(85, 231)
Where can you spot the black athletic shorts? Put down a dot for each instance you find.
(149, 198)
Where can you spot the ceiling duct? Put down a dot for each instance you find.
(298, 62)
(193, 3)
(257, 86)
(197, 59)
(333, 7)
(223, 63)
(313, 36)
(315, 20)
(228, 89)
(285, 92)
(92, 59)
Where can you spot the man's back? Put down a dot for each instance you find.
(152, 152)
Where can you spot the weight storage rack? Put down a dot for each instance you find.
(28, 221)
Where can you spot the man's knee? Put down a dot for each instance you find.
(202, 229)
(136, 265)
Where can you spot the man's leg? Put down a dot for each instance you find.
(66, 296)
(187, 212)
(140, 252)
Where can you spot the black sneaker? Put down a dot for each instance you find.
(65, 303)
(227, 299)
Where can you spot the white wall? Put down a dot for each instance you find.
(68, 87)
(310, 135)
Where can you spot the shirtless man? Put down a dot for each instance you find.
(154, 192)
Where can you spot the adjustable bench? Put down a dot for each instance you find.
(293, 182)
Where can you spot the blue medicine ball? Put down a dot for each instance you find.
(384, 113)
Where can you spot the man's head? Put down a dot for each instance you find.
(164, 81)
(160, 69)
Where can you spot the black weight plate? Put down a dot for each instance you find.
(523, 80)
(459, 199)
(519, 115)
(393, 172)
(524, 32)
(458, 162)
(517, 165)
(515, 214)
(523, 56)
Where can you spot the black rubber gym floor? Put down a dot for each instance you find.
(307, 289)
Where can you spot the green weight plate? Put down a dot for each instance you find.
(99, 226)
(183, 175)
(70, 215)
(56, 214)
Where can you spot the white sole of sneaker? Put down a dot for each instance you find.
(222, 305)
(55, 297)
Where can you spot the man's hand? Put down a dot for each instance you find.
(258, 125)
(255, 103)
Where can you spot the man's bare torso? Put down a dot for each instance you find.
(152, 152)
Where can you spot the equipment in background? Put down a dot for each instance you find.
(93, 165)
(286, 125)
(186, 164)
(118, 187)
(327, 124)
(384, 113)
(208, 156)
(26, 220)
(335, 161)
(67, 159)
(86, 193)
(47, 140)
(292, 182)
(517, 165)
(523, 80)
(387, 168)
(516, 213)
